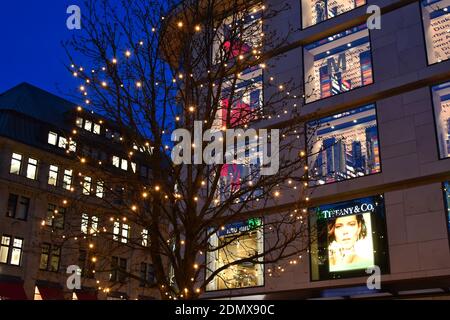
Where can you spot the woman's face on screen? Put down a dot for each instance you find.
(346, 231)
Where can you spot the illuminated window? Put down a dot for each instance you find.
(32, 168)
(124, 165)
(348, 237)
(16, 163)
(116, 161)
(53, 175)
(315, 11)
(52, 138)
(67, 179)
(343, 146)
(144, 234)
(55, 216)
(337, 64)
(441, 104)
(121, 231)
(72, 146)
(17, 207)
(87, 184)
(239, 36)
(11, 250)
(89, 224)
(96, 128)
(100, 189)
(436, 23)
(88, 125)
(133, 166)
(79, 122)
(237, 242)
(62, 143)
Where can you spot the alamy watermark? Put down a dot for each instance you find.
(213, 153)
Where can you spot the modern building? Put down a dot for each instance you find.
(379, 159)
(53, 203)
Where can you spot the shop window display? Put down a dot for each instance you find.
(315, 11)
(343, 146)
(243, 239)
(441, 104)
(436, 24)
(347, 238)
(337, 64)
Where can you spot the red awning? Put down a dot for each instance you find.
(49, 293)
(85, 295)
(12, 291)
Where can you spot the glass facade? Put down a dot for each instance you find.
(436, 24)
(315, 11)
(347, 238)
(441, 104)
(339, 63)
(234, 242)
(343, 146)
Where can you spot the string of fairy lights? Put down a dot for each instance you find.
(91, 78)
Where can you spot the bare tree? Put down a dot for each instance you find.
(150, 68)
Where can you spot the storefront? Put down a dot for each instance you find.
(347, 238)
(235, 242)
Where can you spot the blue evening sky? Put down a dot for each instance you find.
(31, 32)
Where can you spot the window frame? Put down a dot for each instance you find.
(16, 158)
(342, 92)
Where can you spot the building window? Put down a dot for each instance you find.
(79, 122)
(446, 186)
(50, 257)
(337, 64)
(18, 207)
(436, 23)
(72, 146)
(147, 276)
(118, 269)
(121, 231)
(16, 163)
(32, 168)
(144, 234)
(315, 11)
(347, 238)
(133, 166)
(87, 183)
(55, 216)
(45, 255)
(441, 104)
(239, 35)
(11, 250)
(62, 143)
(343, 146)
(96, 128)
(88, 125)
(53, 175)
(100, 189)
(52, 138)
(89, 224)
(121, 163)
(67, 179)
(87, 262)
(236, 242)
(143, 171)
